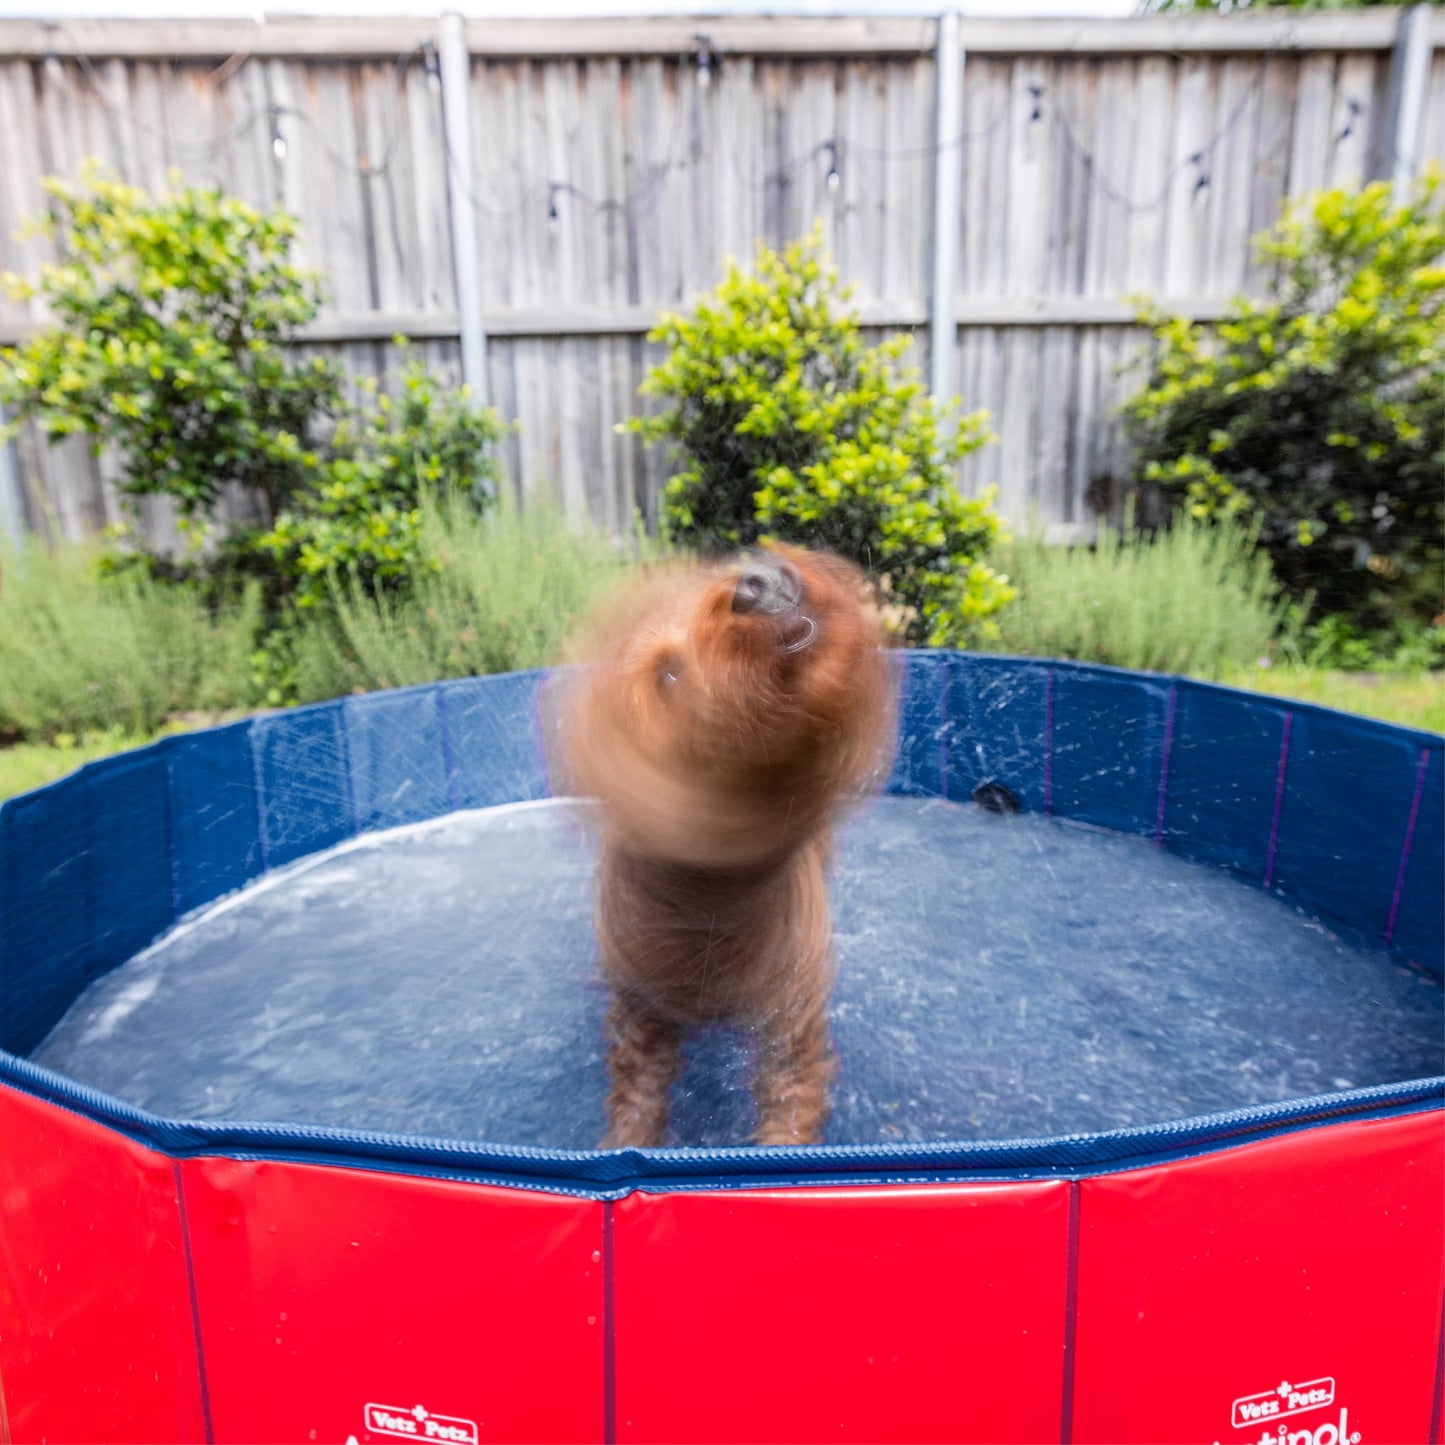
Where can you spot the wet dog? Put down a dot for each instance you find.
(723, 715)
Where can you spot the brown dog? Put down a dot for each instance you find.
(726, 712)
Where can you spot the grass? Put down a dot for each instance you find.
(31, 765)
(1416, 700)
(27, 765)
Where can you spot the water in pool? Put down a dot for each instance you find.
(999, 977)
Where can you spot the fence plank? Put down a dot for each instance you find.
(1189, 181)
(1350, 124)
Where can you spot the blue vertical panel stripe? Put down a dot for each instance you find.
(397, 758)
(306, 801)
(1223, 762)
(1343, 817)
(999, 711)
(1418, 905)
(1108, 747)
(47, 918)
(920, 759)
(493, 735)
(215, 813)
(128, 855)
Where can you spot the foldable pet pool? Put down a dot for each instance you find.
(1139, 1133)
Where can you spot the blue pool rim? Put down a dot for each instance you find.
(1342, 816)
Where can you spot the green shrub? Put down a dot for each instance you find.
(360, 511)
(499, 592)
(81, 652)
(175, 316)
(171, 343)
(789, 427)
(1197, 599)
(1319, 410)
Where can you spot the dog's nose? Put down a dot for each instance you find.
(768, 585)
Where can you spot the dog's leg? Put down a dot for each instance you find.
(796, 1068)
(643, 1060)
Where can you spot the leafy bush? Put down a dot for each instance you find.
(81, 652)
(789, 427)
(360, 512)
(1197, 598)
(1318, 411)
(500, 592)
(174, 314)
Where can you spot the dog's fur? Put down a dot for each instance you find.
(723, 714)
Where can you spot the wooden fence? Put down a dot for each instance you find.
(522, 199)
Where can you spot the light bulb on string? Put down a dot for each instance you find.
(704, 61)
(433, 65)
(833, 180)
(1036, 93)
(1201, 182)
(278, 141)
(1355, 111)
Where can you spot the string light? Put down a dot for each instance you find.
(705, 58)
(1201, 184)
(833, 180)
(1355, 111)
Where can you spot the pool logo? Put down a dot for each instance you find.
(1268, 1406)
(1284, 1399)
(418, 1423)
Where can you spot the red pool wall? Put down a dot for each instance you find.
(1132, 1307)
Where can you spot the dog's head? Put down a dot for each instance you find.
(724, 710)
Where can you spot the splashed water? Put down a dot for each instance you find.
(999, 976)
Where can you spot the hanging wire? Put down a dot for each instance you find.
(703, 60)
(213, 146)
(1199, 159)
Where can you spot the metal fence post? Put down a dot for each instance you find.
(456, 78)
(12, 502)
(947, 169)
(1398, 156)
